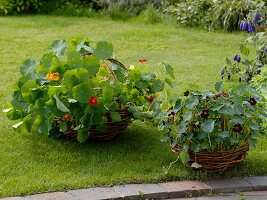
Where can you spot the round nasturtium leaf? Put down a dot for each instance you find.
(103, 50)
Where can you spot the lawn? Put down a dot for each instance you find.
(30, 163)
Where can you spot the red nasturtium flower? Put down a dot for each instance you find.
(142, 61)
(66, 117)
(93, 101)
(150, 98)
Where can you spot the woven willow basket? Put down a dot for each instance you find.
(113, 128)
(112, 131)
(214, 161)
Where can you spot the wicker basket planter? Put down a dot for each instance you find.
(214, 161)
(112, 131)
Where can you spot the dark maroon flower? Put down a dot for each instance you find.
(150, 98)
(240, 80)
(163, 122)
(205, 113)
(252, 101)
(228, 76)
(186, 93)
(237, 128)
(171, 108)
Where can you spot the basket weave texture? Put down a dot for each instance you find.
(113, 128)
(214, 161)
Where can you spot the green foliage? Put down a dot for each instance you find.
(78, 8)
(228, 14)
(191, 12)
(204, 121)
(150, 15)
(253, 59)
(212, 15)
(78, 89)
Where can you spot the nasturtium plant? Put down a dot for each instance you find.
(78, 84)
(208, 121)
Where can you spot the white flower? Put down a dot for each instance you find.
(131, 67)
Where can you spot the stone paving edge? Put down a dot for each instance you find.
(173, 189)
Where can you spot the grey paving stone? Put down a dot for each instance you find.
(133, 191)
(51, 196)
(183, 188)
(96, 194)
(194, 198)
(255, 197)
(230, 196)
(257, 182)
(255, 193)
(228, 185)
(14, 198)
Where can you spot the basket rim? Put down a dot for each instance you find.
(210, 152)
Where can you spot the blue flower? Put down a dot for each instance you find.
(265, 51)
(247, 80)
(258, 71)
(257, 17)
(240, 79)
(259, 66)
(238, 59)
(243, 25)
(222, 71)
(235, 57)
(249, 27)
(253, 28)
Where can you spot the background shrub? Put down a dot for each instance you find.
(212, 14)
(13, 7)
(191, 12)
(227, 14)
(150, 15)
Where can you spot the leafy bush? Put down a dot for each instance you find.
(19, 6)
(74, 9)
(191, 12)
(11, 7)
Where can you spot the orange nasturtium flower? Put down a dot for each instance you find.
(52, 77)
(93, 101)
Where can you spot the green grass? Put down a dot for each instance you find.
(31, 163)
